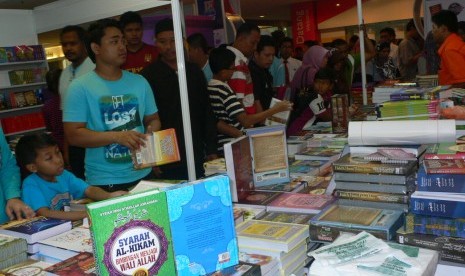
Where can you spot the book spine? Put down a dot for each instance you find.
(459, 155)
(437, 226)
(430, 170)
(372, 196)
(378, 169)
(326, 233)
(449, 183)
(404, 97)
(440, 208)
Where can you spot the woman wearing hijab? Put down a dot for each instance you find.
(315, 58)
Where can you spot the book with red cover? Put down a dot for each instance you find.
(300, 203)
(451, 166)
(258, 197)
(81, 264)
(445, 151)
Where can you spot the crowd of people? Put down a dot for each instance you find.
(119, 89)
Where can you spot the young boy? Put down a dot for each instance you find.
(50, 187)
(232, 118)
(314, 104)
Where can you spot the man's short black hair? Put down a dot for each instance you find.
(164, 25)
(390, 31)
(410, 25)
(221, 59)
(81, 33)
(246, 29)
(287, 39)
(265, 40)
(446, 18)
(130, 17)
(26, 149)
(338, 42)
(97, 31)
(197, 40)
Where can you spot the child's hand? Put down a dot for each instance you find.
(118, 193)
(282, 106)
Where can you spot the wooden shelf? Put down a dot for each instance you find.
(24, 131)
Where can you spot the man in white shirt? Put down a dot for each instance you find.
(291, 64)
(73, 40)
(389, 35)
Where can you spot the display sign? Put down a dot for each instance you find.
(304, 24)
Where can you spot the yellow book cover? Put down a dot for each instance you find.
(160, 148)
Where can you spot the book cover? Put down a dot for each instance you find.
(270, 234)
(318, 153)
(28, 267)
(131, 234)
(362, 150)
(241, 269)
(440, 182)
(438, 204)
(336, 218)
(306, 167)
(81, 264)
(450, 249)
(267, 264)
(259, 197)
(58, 247)
(340, 110)
(438, 226)
(286, 217)
(375, 178)
(202, 226)
(30, 97)
(300, 203)
(404, 95)
(292, 186)
(280, 118)
(249, 211)
(350, 163)
(10, 246)
(445, 151)
(269, 154)
(239, 167)
(35, 229)
(160, 148)
(145, 185)
(372, 196)
(450, 166)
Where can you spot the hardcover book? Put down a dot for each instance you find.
(272, 235)
(240, 269)
(239, 167)
(300, 203)
(306, 167)
(10, 246)
(438, 204)
(438, 226)
(81, 264)
(286, 217)
(259, 197)
(417, 150)
(202, 226)
(161, 147)
(450, 166)
(35, 229)
(131, 234)
(375, 178)
(67, 244)
(445, 151)
(318, 153)
(280, 118)
(372, 196)
(336, 218)
(28, 267)
(294, 185)
(267, 264)
(440, 182)
(375, 187)
(350, 163)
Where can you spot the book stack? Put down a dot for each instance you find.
(268, 265)
(286, 242)
(215, 166)
(437, 216)
(408, 110)
(12, 250)
(380, 177)
(82, 264)
(35, 229)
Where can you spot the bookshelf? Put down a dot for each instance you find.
(22, 80)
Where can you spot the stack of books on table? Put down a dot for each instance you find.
(286, 242)
(215, 166)
(408, 110)
(12, 250)
(35, 229)
(377, 176)
(437, 218)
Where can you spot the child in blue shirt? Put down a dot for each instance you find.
(50, 187)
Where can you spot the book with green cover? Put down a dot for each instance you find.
(132, 235)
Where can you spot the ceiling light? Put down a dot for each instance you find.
(337, 5)
(261, 16)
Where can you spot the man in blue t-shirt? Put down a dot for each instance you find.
(108, 110)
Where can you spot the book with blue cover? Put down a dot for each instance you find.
(202, 226)
(35, 229)
(438, 204)
(131, 235)
(440, 182)
(438, 226)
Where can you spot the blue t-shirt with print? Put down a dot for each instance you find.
(39, 193)
(104, 105)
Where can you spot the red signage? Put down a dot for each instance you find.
(304, 22)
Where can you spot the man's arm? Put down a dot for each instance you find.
(227, 129)
(79, 135)
(152, 123)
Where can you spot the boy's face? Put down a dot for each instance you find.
(112, 48)
(322, 86)
(133, 33)
(48, 163)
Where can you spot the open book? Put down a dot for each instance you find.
(278, 118)
(160, 148)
